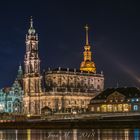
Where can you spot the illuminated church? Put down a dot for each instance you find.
(66, 90)
(11, 98)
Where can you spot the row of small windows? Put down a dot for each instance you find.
(134, 100)
(115, 108)
(76, 102)
(117, 100)
(78, 84)
(70, 102)
(73, 78)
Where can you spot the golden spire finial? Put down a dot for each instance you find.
(87, 65)
(87, 28)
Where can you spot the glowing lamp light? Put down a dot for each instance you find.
(1, 107)
(28, 115)
(132, 100)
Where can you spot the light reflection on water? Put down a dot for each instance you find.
(71, 134)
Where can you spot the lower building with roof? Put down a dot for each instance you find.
(116, 100)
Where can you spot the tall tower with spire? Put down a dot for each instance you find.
(32, 77)
(87, 64)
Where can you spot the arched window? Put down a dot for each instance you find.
(17, 107)
(98, 86)
(135, 107)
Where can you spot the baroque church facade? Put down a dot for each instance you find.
(11, 98)
(66, 90)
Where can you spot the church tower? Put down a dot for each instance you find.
(87, 65)
(32, 77)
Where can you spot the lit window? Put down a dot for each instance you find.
(132, 100)
(98, 109)
(1, 107)
(125, 107)
(135, 107)
(92, 109)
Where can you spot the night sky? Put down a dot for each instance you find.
(114, 36)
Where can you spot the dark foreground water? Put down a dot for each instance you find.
(71, 134)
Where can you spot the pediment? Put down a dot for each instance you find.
(116, 94)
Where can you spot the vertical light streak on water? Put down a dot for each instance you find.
(126, 134)
(16, 132)
(60, 135)
(28, 134)
(74, 134)
(2, 136)
(136, 134)
(99, 135)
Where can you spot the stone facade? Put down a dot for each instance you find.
(74, 80)
(11, 99)
(63, 90)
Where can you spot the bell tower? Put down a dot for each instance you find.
(32, 77)
(87, 64)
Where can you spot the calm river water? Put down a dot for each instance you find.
(71, 134)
